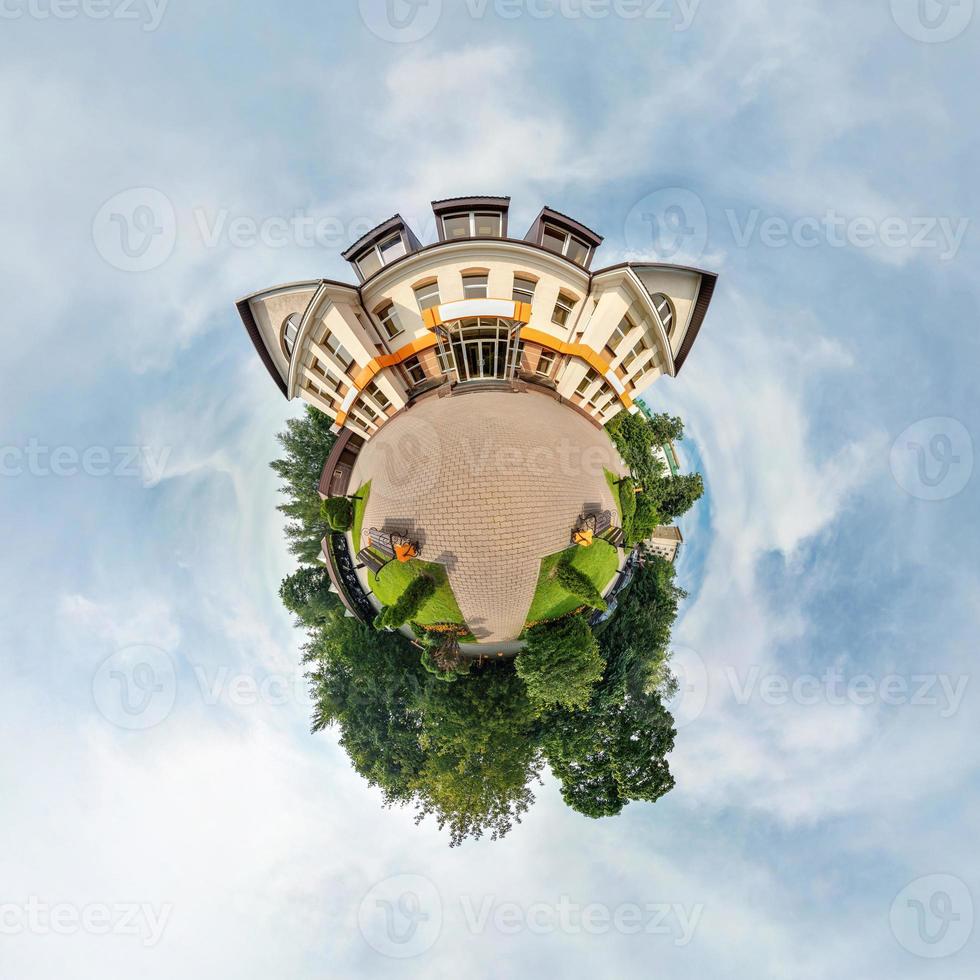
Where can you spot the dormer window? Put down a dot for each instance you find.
(382, 246)
(562, 242)
(471, 217)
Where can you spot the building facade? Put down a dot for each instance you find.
(477, 307)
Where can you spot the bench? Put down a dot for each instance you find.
(598, 523)
(369, 559)
(393, 544)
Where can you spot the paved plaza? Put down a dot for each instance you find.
(489, 483)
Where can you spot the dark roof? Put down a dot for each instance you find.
(468, 203)
(248, 318)
(550, 214)
(701, 304)
(394, 223)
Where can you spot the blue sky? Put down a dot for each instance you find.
(820, 156)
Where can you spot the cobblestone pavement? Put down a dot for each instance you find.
(489, 483)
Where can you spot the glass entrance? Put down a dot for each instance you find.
(481, 348)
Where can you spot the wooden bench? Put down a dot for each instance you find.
(598, 523)
(388, 543)
(370, 560)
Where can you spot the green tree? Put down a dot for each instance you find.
(480, 754)
(560, 663)
(306, 593)
(674, 497)
(306, 443)
(578, 584)
(613, 753)
(338, 512)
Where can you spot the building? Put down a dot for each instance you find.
(666, 542)
(477, 306)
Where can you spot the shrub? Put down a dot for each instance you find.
(561, 663)
(408, 604)
(338, 512)
(579, 584)
(627, 505)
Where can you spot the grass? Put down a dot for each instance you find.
(360, 505)
(600, 561)
(394, 579)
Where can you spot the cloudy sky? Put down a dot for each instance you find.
(821, 155)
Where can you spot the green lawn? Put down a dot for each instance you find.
(600, 561)
(394, 579)
(359, 507)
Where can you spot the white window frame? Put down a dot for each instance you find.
(568, 237)
(376, 250)
(386, 315)
(292, 321)
(567, 309)
(524, 294)
(418, 364)
(672, 320)
(427, 292)
(478, 280)
(549, 355)
(472, 216)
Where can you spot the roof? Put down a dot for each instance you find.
(395, 222)
(476, 201)
(252, 328)
(707, 290)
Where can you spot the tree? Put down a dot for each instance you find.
(338, 512)
(406, 607)
(636, 640)
(306, 593)
(578, 584)
(674, 497)
(613, 753)
(306, 442)
(560, 663)
(480, 754)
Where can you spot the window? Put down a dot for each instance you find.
(638, 349)
(365, 409)
(665, 311)
(523, 289)
(621, 332)
(563, 309)
(415, 371)
(427, 295)
(558, 240)
(587, 382)
(475, 286)
(380, 255)
(369, 263)
(338, 350)
(378, 396)
(469, 224)
(545, 363)
(445, 359)
(288, 332)
(389, 322)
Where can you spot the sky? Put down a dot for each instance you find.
(820, 156)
